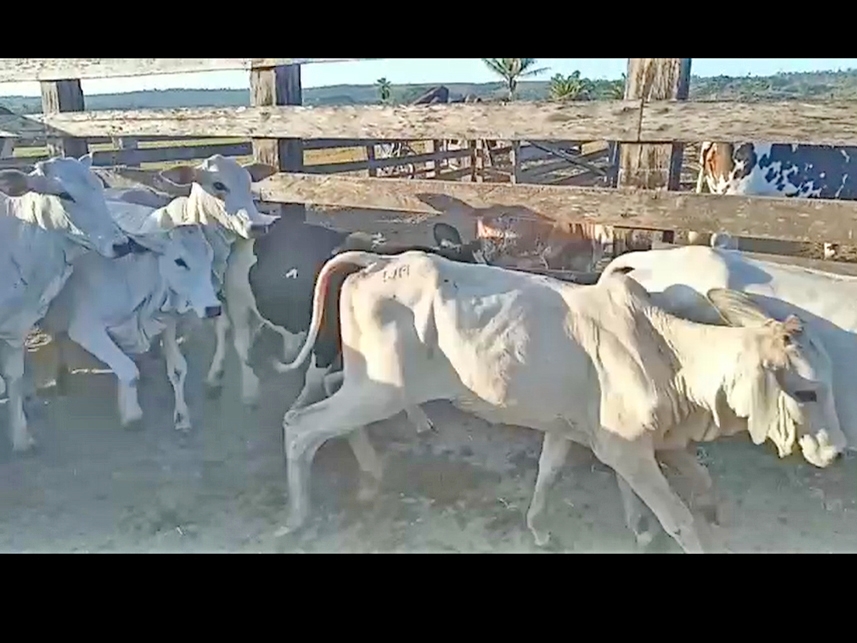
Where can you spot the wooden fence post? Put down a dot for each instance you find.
(63, 96)
(654, 166)
(279, 86)
(515, 160)
(127, 143)
(370, 157)
(477, 161)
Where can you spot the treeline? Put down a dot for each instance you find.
(784, 86)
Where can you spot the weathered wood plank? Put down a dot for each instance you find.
(106, 158)
(63, 96)
(356, 166)
(459, 121)
(311, 144)
(279, 86)
(830, 122)
(133, 157)
(649, 79)
(653, 166)
(764, 217)
(30, 69)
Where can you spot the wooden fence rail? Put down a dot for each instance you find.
(641, 121)
(821, 123)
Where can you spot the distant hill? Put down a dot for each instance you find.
(785, 86)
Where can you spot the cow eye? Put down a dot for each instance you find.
(220, 187)
(181, 263)
(65, 196)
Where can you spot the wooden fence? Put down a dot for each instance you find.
(278, 127)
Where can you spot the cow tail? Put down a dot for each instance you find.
(349, 259)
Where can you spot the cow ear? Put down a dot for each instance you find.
(260, 171)
(179, 175)
(446, 235)
(736, 308)
(14, 182)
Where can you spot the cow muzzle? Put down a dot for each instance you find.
(820, 450)
(212, 311)
(128, 247)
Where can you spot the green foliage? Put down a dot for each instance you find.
(571, 87)
(796, 86)
(385, 89)
(512, 70)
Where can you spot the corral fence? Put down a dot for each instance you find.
(650, 132)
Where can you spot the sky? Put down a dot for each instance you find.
(436, 70)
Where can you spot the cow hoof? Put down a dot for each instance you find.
(250, 403)
(182, 423)
(134, 425)
(541, 537)
(711, 514)
(213, 391)
(644, 539)
(26, 447)
(293, 525)
(368, 490)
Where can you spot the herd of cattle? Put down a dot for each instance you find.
(669, 347)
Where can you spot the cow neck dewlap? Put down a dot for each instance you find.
(45, 211)
(201, 207)
(707, 356)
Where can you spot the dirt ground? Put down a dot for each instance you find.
(93, 487)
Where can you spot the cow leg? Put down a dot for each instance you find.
(176, 372)
(12, 371)
(97, 342)
(214, 378)
(555, 447)
(333, 382)
(703, 496)
(243, 332)
(635, 462)
(369, 462)
(313, 389)
(418, 418)
(638, 517)
(306, 429)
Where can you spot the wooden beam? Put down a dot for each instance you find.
(279, 86)
(63, 96)
(654, 166)
(821, 123)
(809, 220)
(585, 121)
(30, 69)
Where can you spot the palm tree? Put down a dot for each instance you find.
(385, 89)
(617, 88)
(571, 87)
(511, 70)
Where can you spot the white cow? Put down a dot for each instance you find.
(220, 201)
(48, 219)
(823, 301)
(599, 365)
